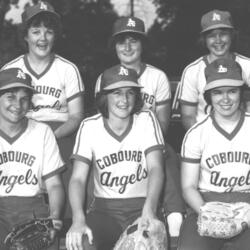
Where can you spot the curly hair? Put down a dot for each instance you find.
(48, 20)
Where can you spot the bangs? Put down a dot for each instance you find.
(46, 19)
(224, 29)
(121, 37)
(16, 89)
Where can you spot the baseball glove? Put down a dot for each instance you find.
(223, 220)
(135, 239)
(34, 234)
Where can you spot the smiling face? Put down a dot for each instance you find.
(218, 42)
(14, 104)
(121, 102)
(128, 49)
(226, 101)
(40, 40)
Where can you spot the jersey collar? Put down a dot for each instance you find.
(114, 135)
(231, 135)
(11, 140)
(38, 76)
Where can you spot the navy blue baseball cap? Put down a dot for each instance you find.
(15, 78)
(128, 25)
(216, 19)
(223, 72)
(118, 77)
(40, 7)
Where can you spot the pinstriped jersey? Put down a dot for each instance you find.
(56, 86)
(119, 162)
(156, 87)
(193, 82)
(224, 157)
(28, 159)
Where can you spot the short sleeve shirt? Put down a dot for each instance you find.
(56, 86)
(119, 162)
(224, 158)
(28, 159)
(156, 89)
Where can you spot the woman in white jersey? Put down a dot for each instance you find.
(218, 37)
(59, 89)
(124, 147)
(215, 155)
(58, 100)
(129, 44)
(30, 160)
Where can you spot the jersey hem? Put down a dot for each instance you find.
(190, 160)
(163, 102)
(153, 148)
(55, 172)
(75, 96)
(81, 158)
(188, 103)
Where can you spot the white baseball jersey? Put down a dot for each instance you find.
(193, 82)
(28, 159)
(224, 157)
(119, 162)
(56, 86)
(156, 87)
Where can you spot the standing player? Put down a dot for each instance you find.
(30, 163)
(58, 100)
(59, 90)
(129, 40)
(124, 147)
(218, 36)
(216, 154)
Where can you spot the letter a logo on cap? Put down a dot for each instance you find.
(43, 6)
(20, 74)
(216, 17)
(123, 71)
(222, 69)
(131, 23)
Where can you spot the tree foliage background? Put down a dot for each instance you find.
(87, 28)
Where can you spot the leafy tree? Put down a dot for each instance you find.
(177, 33)
(87, 27)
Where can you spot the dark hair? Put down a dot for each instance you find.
(233, 34)
(102, 102)
(207, 95)
(15, 89)
(47, 19)
(120, 37)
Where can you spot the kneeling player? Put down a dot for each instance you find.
(124, 146)
(30, 162)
